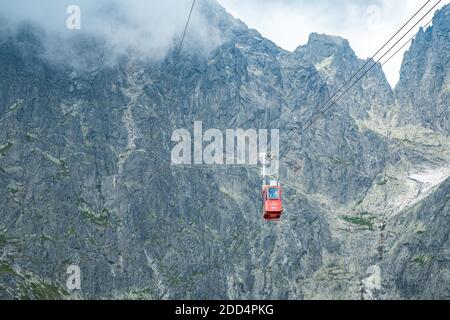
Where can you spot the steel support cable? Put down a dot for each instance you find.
(186, 27)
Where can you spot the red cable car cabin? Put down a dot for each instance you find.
(272, 201)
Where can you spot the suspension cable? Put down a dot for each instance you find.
(186, 27)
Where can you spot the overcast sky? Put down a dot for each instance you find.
(367, 24)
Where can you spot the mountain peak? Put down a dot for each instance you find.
(336, 41)
(323, 45)
(424, 77)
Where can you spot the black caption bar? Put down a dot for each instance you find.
(185, 310)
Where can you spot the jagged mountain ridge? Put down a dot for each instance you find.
(425, 67)
(85, 177)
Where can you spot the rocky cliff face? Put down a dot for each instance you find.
(86, 177)
(424, 87)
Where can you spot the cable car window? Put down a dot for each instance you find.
(274, 193)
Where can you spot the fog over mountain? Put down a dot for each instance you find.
(151, 28)
(85, 175)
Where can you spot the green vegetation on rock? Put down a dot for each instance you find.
(421, 259)
(364, 219)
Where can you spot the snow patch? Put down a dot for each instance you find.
(420, 184)
(430, 178)
(372, 282)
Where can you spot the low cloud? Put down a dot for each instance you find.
(147, 28)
